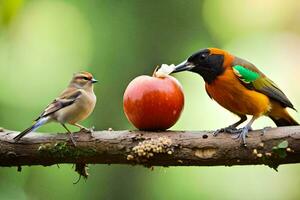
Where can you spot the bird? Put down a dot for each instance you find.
(240, 87)
(74, 104)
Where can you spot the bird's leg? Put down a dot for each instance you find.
(232, 128)
(71, 134)
(82, 128)
(242, 132)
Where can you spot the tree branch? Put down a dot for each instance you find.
(172, 148)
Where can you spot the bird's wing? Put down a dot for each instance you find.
(254, 79)
(66, 98)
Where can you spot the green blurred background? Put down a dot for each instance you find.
(43, 42)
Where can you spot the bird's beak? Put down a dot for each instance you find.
(94, 80)
(184, 66)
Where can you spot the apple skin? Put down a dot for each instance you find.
(153, 103)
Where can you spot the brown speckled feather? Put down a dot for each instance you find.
(66, 98)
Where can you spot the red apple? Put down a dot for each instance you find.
(153, 103)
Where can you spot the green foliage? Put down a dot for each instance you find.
(280, 149)
(61, 149)
(8, 10)
(270, 163)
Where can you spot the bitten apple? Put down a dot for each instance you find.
(153, 103)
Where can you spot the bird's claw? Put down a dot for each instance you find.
(229, 129)
(88, 130)
(242, 134)
(72, 139)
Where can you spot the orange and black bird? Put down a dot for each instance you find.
(240, 87)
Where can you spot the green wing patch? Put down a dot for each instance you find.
(255, 81)
(245, 74)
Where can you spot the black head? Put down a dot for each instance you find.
(206, 62)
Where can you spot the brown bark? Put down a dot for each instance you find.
(171, 148)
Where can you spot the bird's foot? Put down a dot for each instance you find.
(88, 130)
(242, 134)
(264, 130)
(229, 129)
(72, 139)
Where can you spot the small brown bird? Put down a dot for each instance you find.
(74, 104)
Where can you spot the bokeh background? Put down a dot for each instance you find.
(43, 42)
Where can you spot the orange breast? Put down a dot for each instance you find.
(235, 97)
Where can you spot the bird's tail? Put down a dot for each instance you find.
(281, 117)
(35, 126)
(285, 121)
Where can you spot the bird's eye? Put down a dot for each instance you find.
(86, 78)
(203, 56)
